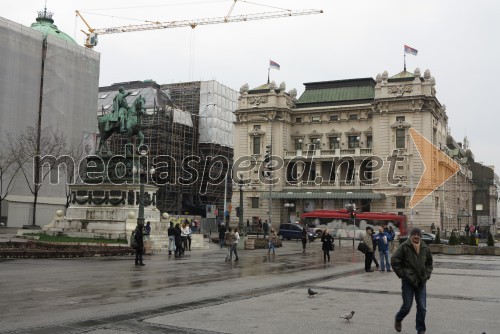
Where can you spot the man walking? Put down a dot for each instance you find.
(412, 262)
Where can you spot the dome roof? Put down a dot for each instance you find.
(45, 24)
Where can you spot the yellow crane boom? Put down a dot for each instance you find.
(92, 34)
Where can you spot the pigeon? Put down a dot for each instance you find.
(311, 292)
(348, 316)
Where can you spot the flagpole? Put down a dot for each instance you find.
(405, 62)
(268, 71)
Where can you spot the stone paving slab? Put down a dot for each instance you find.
(463, 302)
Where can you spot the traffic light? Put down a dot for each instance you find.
(353, 214)
(267, 157)
(239, 212)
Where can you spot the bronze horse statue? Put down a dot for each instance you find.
(132, 124)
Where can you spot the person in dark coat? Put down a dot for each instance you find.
(265, 228)
(368, 240)
(303, 238)
(412, 262)
(222, 233)
(178, 240)
(327, 240)
(139, 251)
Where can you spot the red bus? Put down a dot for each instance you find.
(340, 224)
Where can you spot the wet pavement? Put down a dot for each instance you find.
(200, 293)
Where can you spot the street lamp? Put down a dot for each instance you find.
(269, 164)
(142, 172)
(240, 218)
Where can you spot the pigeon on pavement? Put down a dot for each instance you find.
(311, 292)
(348, 316)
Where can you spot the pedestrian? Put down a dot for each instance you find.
(265, 228)
(382, 239)
(433, 228)
(185, 232)
(229, 240)
(198, 226)
(259, 228)
(147, 231)
(171, 238)
(367, 239)
(467, 230)
(222, 233)
(178, 241)
(304, 239)
(412, 262)
(273, 240)
(392, 233)
(139, 250)
(235, 243)
(248, 225)
(327, 240)
(374, 256)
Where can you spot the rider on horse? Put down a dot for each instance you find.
(120, 107)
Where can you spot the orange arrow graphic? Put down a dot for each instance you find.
(438, 167)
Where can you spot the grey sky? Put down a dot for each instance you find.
(456, 40)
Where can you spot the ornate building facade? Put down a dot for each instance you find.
(347, 142)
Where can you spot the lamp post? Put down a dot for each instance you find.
(269, 164)
(240, 218)
(141, 171)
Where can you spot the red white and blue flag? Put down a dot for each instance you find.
(274, 65)
(410, 50)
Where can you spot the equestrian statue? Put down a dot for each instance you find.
(123, 119)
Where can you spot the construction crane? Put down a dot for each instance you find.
(92, 34)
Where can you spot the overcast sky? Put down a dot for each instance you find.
(456, 40)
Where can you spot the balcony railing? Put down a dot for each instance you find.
(352, 152)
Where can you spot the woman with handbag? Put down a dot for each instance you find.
(327, 241)
(367, 240)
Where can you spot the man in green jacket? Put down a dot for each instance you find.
(412, 262)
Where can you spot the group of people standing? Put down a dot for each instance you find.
(383, 240)
(179, 238)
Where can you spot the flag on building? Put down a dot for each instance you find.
(273, 64)
(410, 50)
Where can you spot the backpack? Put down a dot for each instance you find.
(133, 241)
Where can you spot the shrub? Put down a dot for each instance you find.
(491, 241)
(438, 238)
(453, 239)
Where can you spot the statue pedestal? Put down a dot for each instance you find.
(109, 211)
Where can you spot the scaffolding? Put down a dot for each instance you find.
(171, 128)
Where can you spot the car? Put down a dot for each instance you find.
(428, 238)
(294, 231)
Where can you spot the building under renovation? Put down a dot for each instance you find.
(47, 84)
(188, 131)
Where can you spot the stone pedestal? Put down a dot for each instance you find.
(109, 211)
(197, 242)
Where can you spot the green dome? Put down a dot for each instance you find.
(45, 24)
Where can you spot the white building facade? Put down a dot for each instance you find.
(342, 142)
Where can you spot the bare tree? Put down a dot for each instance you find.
(8, 172)
(27, 149)
(75, 153)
